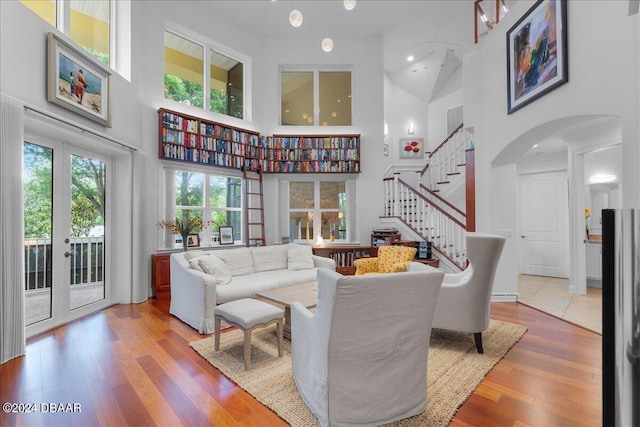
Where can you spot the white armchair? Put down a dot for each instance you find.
(361, 359)
(464, 302)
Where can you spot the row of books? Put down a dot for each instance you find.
(312, 142)
(319, 154)
(179, 152)
(176, 121)
(343, 259)
(308, 166)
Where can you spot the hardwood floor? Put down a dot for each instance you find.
(131, 365)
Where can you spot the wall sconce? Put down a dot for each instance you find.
(599, 179)
(411, 129)
(386, 129)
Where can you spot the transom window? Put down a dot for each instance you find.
(216, 199)
(305, 103)
(194, 78)
(88, 23)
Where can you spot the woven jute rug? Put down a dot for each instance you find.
(454, 370)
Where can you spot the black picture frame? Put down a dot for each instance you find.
(193, 241)
(226, 235)
(537, 56)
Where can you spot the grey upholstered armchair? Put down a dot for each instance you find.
(361, 359)
(464, 302)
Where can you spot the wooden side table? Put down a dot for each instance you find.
(160, 274)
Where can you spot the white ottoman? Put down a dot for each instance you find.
(247, 314)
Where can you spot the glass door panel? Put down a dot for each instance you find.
(87, 231)
(37, 186)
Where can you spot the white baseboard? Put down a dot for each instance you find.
(504, 297)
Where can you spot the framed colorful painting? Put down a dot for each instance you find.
(411, 148)
(77, 81)
(537, 53)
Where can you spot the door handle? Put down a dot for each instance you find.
(523, 237)
(68, 254)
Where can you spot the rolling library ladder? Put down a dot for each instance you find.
(254, 207)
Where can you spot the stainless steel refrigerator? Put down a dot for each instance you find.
(621, 317)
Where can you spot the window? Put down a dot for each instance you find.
(184, 76)
(302, 104)
(317, 208)
(88, 23)
(216, 199)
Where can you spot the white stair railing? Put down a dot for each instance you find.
(446, 160)
(435, 221)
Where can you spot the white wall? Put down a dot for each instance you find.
(585, 96)
(438, 117)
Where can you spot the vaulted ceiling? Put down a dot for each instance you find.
(434, 32)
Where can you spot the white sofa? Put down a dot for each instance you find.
(202, 279)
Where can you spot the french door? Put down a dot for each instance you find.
(66, 222)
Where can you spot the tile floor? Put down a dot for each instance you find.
(551, 295)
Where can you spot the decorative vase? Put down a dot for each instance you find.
(185, 243)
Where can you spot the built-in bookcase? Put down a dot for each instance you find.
(313, 153)
(191, 139)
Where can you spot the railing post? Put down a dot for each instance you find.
(396, 196)
(470, 181)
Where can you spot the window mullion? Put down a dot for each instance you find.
(206, 73)
(63, 13)
(316, 98)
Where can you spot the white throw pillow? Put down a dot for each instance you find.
(269, 258)
(238, 260)
(195, 263)
(214, 266)
(299, 257)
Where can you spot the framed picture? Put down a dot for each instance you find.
(193, 240)
(226, 235)
(411, 148)
(537, 53)
(385, 149)
(77, 81)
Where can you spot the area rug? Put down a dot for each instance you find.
(454, 370)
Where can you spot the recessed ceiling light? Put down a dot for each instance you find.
(410, 58)
(535, 145)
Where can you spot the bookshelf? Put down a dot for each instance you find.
(191, 139)
(312, 154)
(194, 140)
(343, 256)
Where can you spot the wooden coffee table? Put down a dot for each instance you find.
(304, 293)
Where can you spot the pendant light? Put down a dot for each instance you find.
(349, 4)
(327, 44)
(295, 18)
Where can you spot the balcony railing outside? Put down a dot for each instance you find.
(87, 263)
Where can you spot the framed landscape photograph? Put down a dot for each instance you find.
(411, 148)
(537, 53)
(226, 235)
(77, 81)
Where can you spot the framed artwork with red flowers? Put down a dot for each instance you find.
(411, 148)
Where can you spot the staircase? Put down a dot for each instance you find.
(254, 207)
(425, 210)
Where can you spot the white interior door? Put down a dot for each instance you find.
(544, 224)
